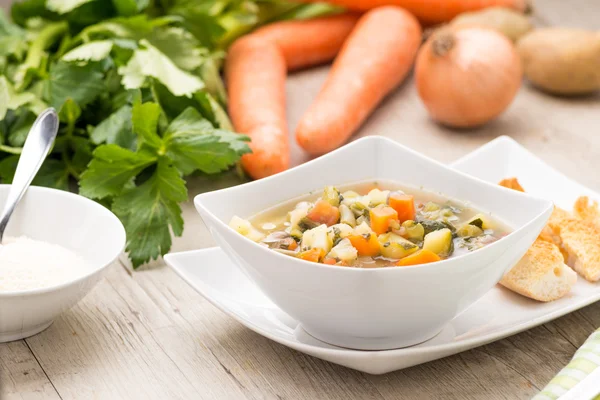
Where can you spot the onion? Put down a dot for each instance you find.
(466, 77)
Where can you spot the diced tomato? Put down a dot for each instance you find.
(324, 213)
(404, 204)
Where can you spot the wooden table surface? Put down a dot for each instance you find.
(147, 335)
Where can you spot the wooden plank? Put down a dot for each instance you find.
(21, 376)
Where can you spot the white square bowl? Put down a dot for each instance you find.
(374, 309)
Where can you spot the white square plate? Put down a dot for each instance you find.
(211, 273)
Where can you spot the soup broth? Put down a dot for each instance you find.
(372, 224)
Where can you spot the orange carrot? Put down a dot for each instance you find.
(366, 246)
(404, 205)
(313, 255)
(309, 42)
(324, 213)
(431, 11)
(374, 60)
(381, 217)
(255, 75)
(329, 261)
(420, 257)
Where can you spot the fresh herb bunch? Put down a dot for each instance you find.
(140, 99)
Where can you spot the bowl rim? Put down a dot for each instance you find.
(363, 141)
(95, 268)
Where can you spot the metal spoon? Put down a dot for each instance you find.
(37, 146)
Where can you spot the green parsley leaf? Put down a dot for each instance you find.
(149, 210)
(130, 7)
(64, 6)
(111, 169)
(145, 123)
(150, 62)
(80, 83)
(116, 129)
(193, 144)
(53, 173)
(9, 99)
(93, 51)
(179, 45)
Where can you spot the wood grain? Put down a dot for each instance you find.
(148, 335)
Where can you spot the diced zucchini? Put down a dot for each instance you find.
(395, 246)
(331, 195)
(307, 223)
(440, 242)
(469, 230)
(431, 226)
(377, 197)
(245, 228)
(317, 238)
(360, 220)
(359, 205)
(344, 251)
(296, 233)
(414, 231)
(482, 221)
(347, 216)
(340, 231)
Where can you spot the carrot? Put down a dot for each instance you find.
(324, 213)
(329, 261)
(404, 204)
(374, 60)
(381, 217)
(255, 75)
(420, 257)
(309, 42)
(312, 255)
(366, 245)
(431, 11)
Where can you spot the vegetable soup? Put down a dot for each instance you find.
(372, 224)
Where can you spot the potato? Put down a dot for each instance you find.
(511, 23)
(562, 61)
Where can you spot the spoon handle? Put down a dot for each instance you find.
(37, 146)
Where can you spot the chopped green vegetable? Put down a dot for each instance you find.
(414, 231)
(141, 103)
(440, 242)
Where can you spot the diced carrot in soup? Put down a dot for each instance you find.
(381, 217)
(329, 261)
(404, 204)
(324, 213)
(366, 245)
(313, 255)
(420, 257)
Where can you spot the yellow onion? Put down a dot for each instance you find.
(466, 77)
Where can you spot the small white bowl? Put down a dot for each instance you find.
(69, 220)
(374, 309)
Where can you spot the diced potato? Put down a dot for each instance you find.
(468, 230)
(482, 221)
(340, 231)
(344, 251)
(395, 246)
(347, 216)
(298, 213)
(377, 197)
(317, 238)
(440, 242)
(350, 194)
(331, 195)
(414, 231)
(363, 229)
(245, 228)
(431, 206)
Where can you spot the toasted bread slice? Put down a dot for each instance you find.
(587, 211)
(541, 274)
(581, 241)
(511, 183)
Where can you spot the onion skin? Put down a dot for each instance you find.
(467, 77)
